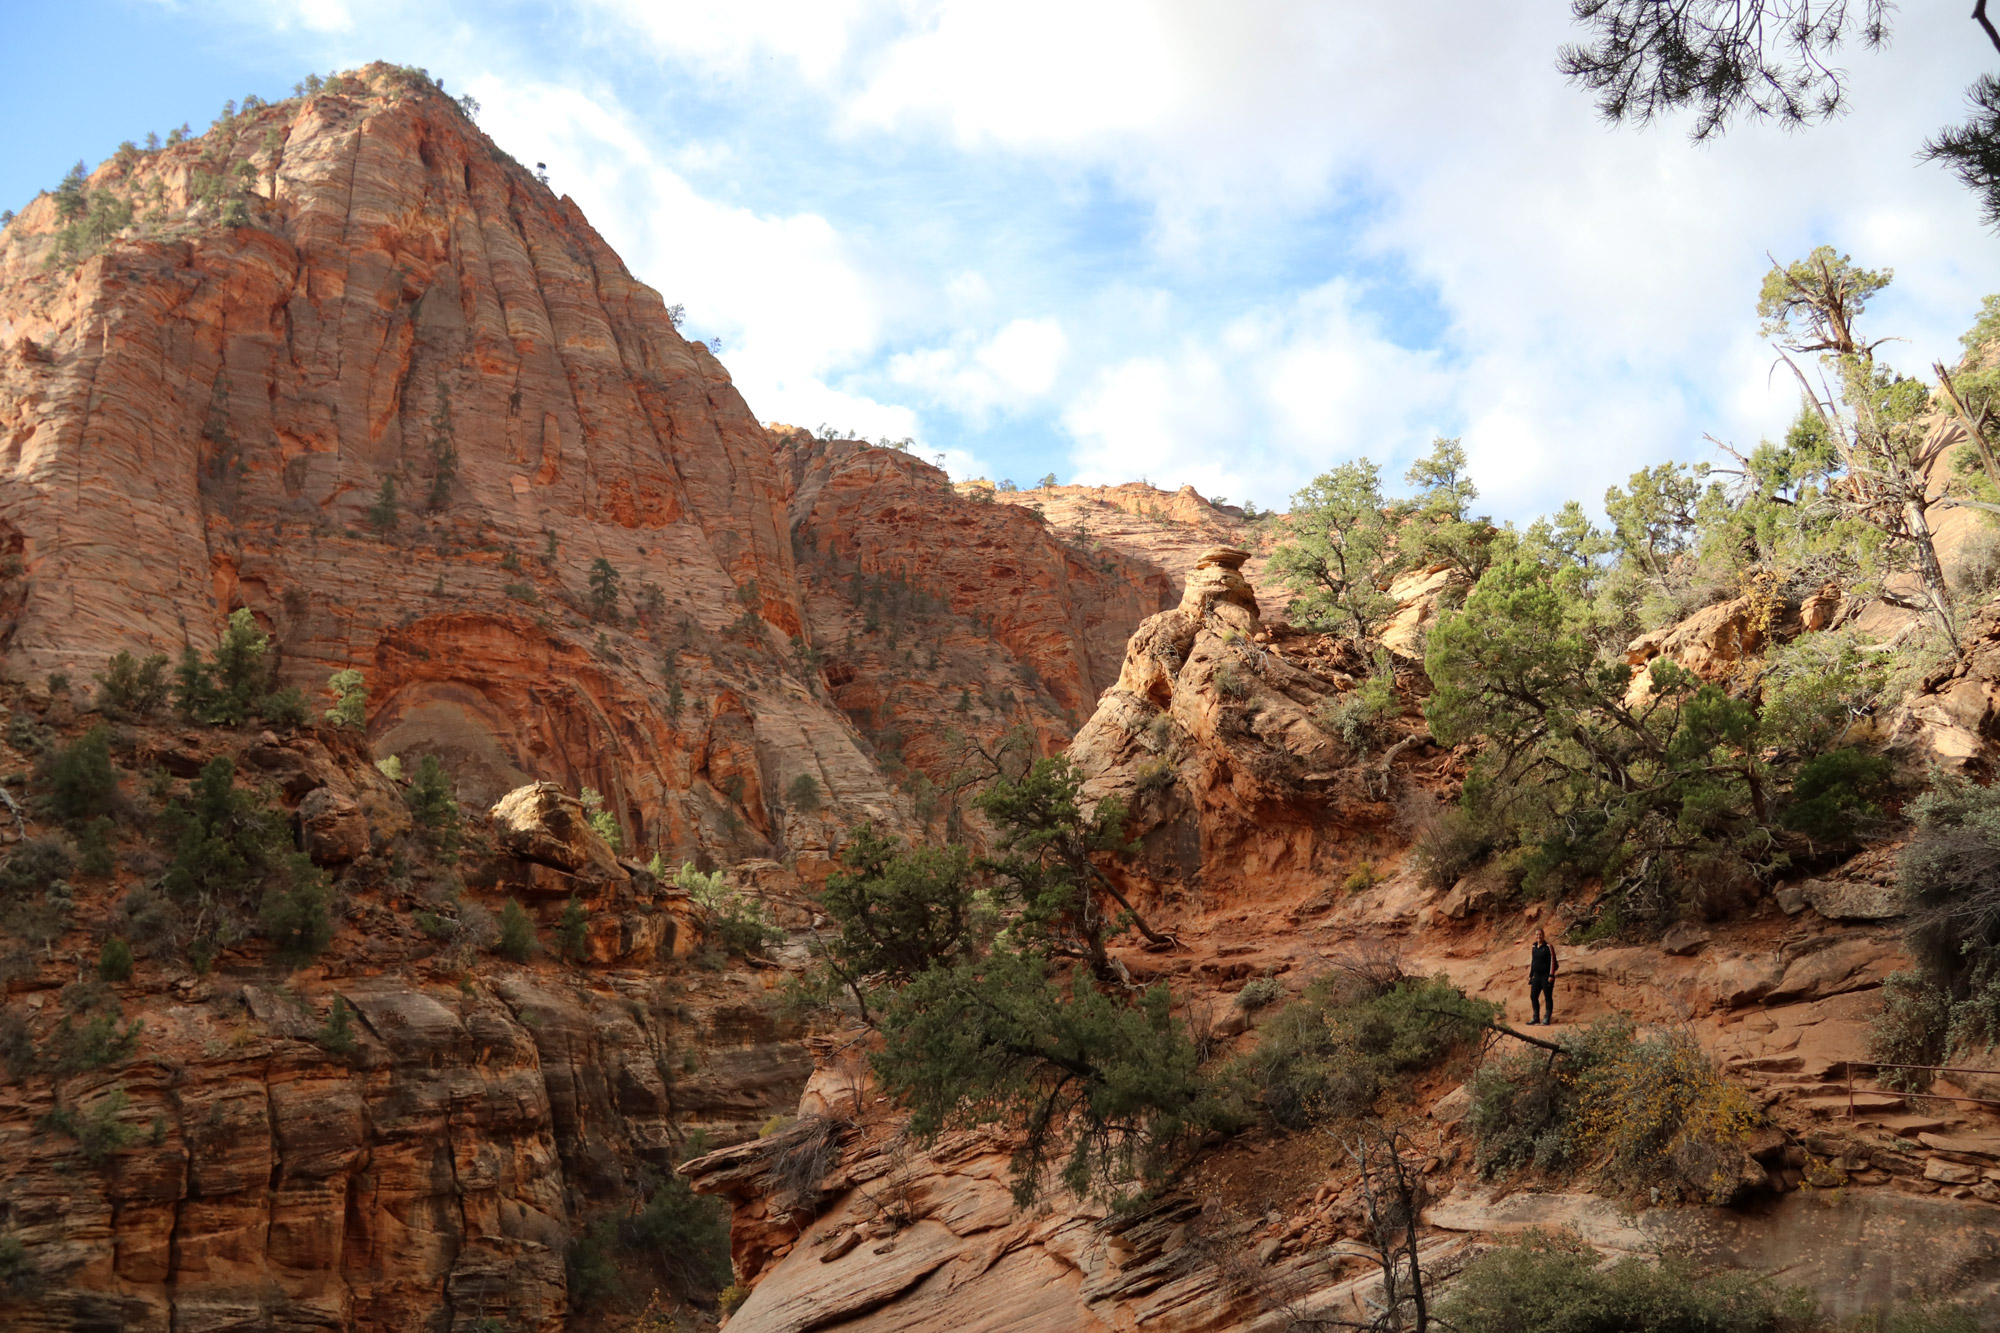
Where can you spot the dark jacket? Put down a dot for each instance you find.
(1542, 962)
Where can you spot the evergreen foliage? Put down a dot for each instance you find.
(234, 684)
(1558, 1284)
(114, 960)
(1330, 1053)
(1950, 875)
(517, 941)
(78, 781)
(350, 699)
(573, 932)
(434, 806)
(601, 820)
(231, 854)
(604, 580)
(132, 688)
(1109, 1089)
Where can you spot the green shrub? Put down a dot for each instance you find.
(34, 866)
(1914, 1028)
(20, 1275)
(602, 820)
(1924, 1317)
(603, 589)
(1360, 717)
(131, 688)
(1831, 797)
(95, 1043)
(78, 780)
(683, 1236)
(350, 699)
(734, 921)
(434, 806)
(517, 934)
(1108, 1087)
(1259, 994)
(1651, 1109)
(804, 793)
(295, 912)
(337, 1034)
(114, 960)
(1547, 1284)
(98, 1131)
(285, 708)
(594, 1279)
(1230, 681)
(233, 684)
(1814, 689)
(1331, 1052)
(1950, 873)
(96, 854)
(573, 932)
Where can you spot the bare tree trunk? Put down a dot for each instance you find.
(1918, 526)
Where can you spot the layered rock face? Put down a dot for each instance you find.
(255, 1161)
(404, 409)
(936, 613)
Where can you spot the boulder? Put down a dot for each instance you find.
(1847, 900)
(545, 824)
(1683, 939)
(331, 827)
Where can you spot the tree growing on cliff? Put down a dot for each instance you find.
(234, 683)
(434, 806)
(1109, 1088)
(1340, 544)
(231, 852)
(444, 449)
(382, 514)
(1046, 864)
(604, 579)
(898, 912)
(131, 688)
(517, 941)
(1659, 795)
(1874, 419)
(349, 689)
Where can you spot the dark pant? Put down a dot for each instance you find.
(1542, 991)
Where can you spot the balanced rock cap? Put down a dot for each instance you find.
(1227, 557)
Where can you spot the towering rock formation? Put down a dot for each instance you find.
(404, 404)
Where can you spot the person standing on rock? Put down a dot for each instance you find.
(1542, 980)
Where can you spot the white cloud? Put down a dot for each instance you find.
(1578, 298)
(1281, 395)
(738, 40)
(1006, 373)
(324, 15)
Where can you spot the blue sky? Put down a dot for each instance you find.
(1221, 243)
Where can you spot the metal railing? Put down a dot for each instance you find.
(1934, 1069)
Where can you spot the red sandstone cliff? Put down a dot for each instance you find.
(203, 414)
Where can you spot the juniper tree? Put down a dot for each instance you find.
(1340, 543)
(1729, 60)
